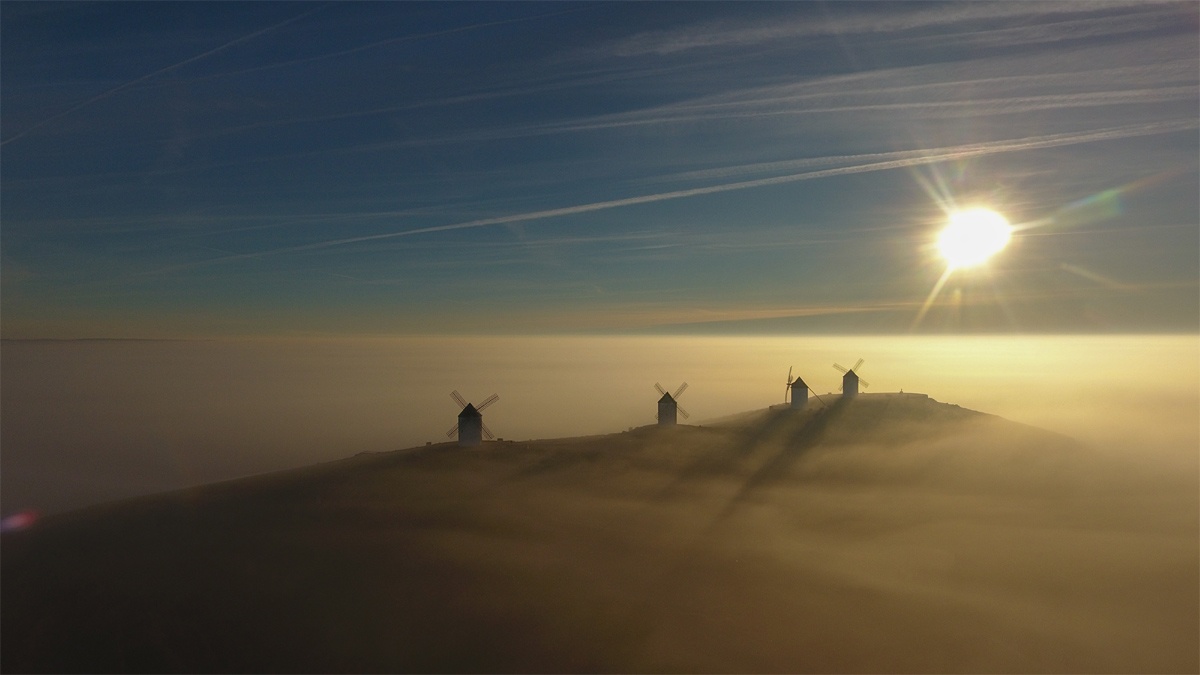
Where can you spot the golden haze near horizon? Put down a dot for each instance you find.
(85, 421)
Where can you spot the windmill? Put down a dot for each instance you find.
(470, 427)
(667, 406)
(797, 390)
(850, 380)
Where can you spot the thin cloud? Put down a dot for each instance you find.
(935, 92)
(931, 157)
(415, 37)
(877, 92)
(121, 87)
(1108, 26)
(893, 82)
(556, 83)
(958, 109)
(969, 107)
(663, 316)
(726, 34)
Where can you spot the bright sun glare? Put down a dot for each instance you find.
(973, 236)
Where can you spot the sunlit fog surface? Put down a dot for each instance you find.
(85, 422)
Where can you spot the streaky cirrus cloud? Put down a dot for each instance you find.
(910, 159)
(506, 159)
(897, 18)
(161, 71)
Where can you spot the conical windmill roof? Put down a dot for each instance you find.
(798, 382)
(470, 411)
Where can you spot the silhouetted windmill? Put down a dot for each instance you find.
(470, 427)
(667, 405)
(851, 380)
(797, 390)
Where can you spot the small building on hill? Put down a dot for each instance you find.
(799, 393)
(470, 426)
(849, 384)
(668, 411)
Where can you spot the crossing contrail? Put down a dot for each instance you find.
(160, 71)
(932, 156)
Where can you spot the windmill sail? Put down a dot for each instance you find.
(668, 408)
(850, 379)
(470, 427)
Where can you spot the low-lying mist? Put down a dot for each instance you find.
(887, 533)
(85, 422)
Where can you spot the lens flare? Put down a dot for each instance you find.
(973, 236)
(18, 521)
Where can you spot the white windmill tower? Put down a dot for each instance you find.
(470, 427)
(797, 390)
(667, 405)
(851, 380)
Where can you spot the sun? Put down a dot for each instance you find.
(973, 236)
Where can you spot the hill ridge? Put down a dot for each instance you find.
(780, 540)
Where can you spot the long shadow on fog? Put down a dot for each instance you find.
(784, 436)
(724, 462)
(792, 446)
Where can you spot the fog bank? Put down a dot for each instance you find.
(90, 421)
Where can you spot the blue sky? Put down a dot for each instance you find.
(196, 169)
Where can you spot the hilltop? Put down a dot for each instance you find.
(887, 533)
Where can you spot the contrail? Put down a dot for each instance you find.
(1007, 105)
(404, 38)
(932, 157)
(160, 71)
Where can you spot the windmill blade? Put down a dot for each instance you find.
(682, 411)
(787, 392)
(487, 432)
(660, 389)
(857, 365)
(488, 401)
(790, 374)
(453, 430)
(864, 383)
(679, 390)
(839, 366)
(462, 402)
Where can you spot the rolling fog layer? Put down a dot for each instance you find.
(895, 534)
(85, 422)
